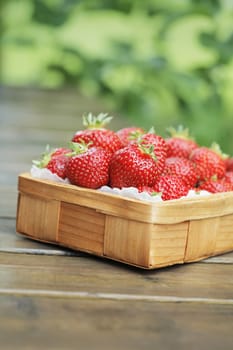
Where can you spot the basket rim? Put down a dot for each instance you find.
(166, 212)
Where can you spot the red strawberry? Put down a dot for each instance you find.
(97, 135)
(229, 177)
(58, 164)
(216, 185)
(180, 144)
(128, 135)
(229, 164)
(134, 165)
(209, 162)
(171, 187)
(55, 160)
(182, 167)
(88, 167)
(159, 148)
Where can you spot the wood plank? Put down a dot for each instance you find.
(167, 212)
(43, 225)
(127, 240)
(81, 227)
(52, 323)
(96, 275)
(168, 243)
(202, 238)
(103, 202)
(8, 200)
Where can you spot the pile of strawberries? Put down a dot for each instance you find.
(131, 157)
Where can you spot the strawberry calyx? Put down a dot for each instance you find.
(135, 135)
(44, 159)
(91, 121)
(138, 135)
(49, 154)
(179, 132)
(216, 148)
(78, 148)
(148, 150)
(151, 130)
(214, 177)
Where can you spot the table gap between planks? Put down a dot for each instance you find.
(61, 299)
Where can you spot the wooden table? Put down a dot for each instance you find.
(53, 298)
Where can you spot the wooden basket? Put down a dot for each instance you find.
(147, 235)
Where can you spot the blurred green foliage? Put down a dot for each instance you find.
(156, 62)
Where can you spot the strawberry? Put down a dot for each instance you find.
(180, 144)
(215, 185)
(55, 160)
(88, 167)
(58, 164)
(229, 163)
(128, 135)
(182, 167)
(159, 148)
(209, 162)
(134, 165)
(229, 177)
(171, 187)
(97, 135)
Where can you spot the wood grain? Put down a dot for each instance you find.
(168, 212)
(81, 228)
(38, 216)
(127, 240)
(202, 238)
(95, 275)
(112, 324)
(103, 202)
(168, 243)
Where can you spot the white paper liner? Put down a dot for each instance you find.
(46, 174)
(128, 192)
(132, 192)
